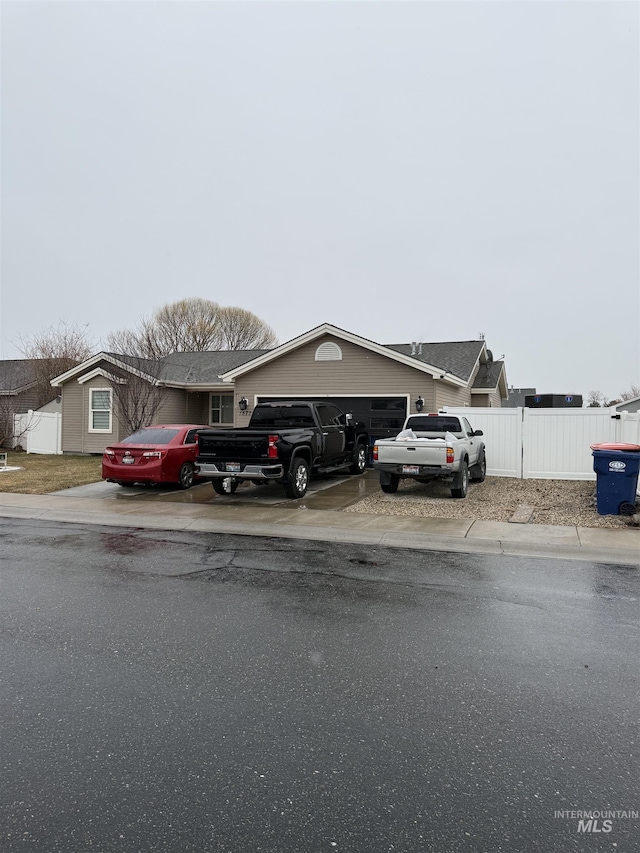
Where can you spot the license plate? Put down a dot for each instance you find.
(232, 466)
(128, 460)
(410, 469)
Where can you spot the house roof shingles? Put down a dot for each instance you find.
(16, 375)
(488, 375)
(195, 368)
(456, 357)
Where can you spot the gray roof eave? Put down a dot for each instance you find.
(199, 386)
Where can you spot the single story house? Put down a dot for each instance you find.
(379, 384)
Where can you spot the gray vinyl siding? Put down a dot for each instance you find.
(490, 400)
(73, 423)
(480, 401)
(197, 407)
(360, 372)
(495, 400)
(173, 408)
(451, 395)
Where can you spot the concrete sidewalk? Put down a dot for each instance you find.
(295, 521)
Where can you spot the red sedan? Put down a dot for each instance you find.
(156, 454)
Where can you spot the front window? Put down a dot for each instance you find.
(100, 410)
(221, 410)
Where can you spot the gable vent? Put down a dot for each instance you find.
(329, 351)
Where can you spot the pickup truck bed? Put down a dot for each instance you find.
(433, 446)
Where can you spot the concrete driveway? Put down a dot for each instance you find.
(330, 491)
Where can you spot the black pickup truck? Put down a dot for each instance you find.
(284, 442)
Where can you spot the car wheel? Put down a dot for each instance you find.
(479, 470)
(460, 485)
(360, 460)
(297, 483)
(186, 476)
(219, 489)
(389, 483)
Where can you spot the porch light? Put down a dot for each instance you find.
(419, 404)
(243, 404)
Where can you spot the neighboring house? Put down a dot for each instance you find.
(632, 405)
(378, 383)
(18, 394)
(516, 397)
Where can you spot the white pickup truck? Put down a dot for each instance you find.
(432, 446)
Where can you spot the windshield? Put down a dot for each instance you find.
(437, 424)
(151, 436)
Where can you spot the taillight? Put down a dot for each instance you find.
(375, 452)
(449, 455)
(109, 453)
(272, 452)
(152, 454)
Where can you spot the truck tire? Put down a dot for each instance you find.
(389, 483)
(297, 481)
(460, 484)
(479, 471)
(219, 489)
(359, 460)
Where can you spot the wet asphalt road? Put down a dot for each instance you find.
(179, 692)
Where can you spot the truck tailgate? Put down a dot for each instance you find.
(426, 452)
(239, 445)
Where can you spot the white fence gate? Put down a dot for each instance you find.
(39, 432)
(548, 443)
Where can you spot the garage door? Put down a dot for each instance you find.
(382, 416)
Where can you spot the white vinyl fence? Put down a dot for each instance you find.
(548, 444)
(38, 432)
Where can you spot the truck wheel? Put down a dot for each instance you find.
(359, 460)
(479, 470)
(296, 484)
(186, 476)
(219, 489)
(389, 483)
(460, 484)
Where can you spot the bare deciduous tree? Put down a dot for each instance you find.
(595, 399)
(243, 330)
(7, 420)
(54, 351)
(193, 325)
(631, 394)
(137, 394)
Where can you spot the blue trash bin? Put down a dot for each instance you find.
(617, 467)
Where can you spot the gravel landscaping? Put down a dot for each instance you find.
(559, 502)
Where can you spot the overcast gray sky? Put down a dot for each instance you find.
(404, 170)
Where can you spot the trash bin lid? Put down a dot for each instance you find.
(613, 446)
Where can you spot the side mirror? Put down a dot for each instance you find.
(478, 432)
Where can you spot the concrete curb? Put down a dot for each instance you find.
(461, 536)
